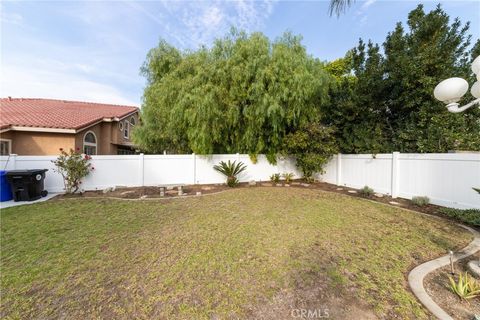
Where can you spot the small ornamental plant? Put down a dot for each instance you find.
(73, 166)
(231, 170)
(420, 201)
(275, 178)
(366, 192)
(288, 176)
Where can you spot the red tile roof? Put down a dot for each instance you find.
(49, 113)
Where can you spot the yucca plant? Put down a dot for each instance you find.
(275, 178)
(466, 287)
(288, 176)
(231, 170)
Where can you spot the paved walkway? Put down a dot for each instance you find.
(11, 203)
(417, 275)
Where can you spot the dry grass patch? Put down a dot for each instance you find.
(229, 255)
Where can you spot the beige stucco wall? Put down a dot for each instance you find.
(38, 143)
(108, 135)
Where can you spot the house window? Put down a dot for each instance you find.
(132, 121)
(126, 130)
(125, 151)
(120, 126)
(90, 143)
(5, 147)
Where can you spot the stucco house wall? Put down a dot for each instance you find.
(38, 143)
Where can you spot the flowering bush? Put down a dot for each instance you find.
(73, 166)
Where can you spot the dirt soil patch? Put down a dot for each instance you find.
(437, 286)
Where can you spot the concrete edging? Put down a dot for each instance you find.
(418, 274)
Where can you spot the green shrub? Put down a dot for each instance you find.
(366, 191)
(73, 167)
(470, 216)
(420, 201)
(231, 170)
(312, 146)
(466, 287)
(288, 176)
(253, 158)
(275, 178)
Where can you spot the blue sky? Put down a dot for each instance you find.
(92, 50)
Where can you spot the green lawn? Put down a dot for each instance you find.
(230, 255)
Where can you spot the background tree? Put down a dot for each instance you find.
(312, 145)
(242, 95)
(390, 105)
(339, 6)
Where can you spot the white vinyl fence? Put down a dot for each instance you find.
(447, 179)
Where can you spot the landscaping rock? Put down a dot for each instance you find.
(127, 192)
(295, 183)
(252, 183)
(143, 197)
(180, 191)
(206, 188)
(394, 203)
(267, 184)
(352, 191)
(339, 189)
(199, 193)
(279, 185)
(170, 188)
(378, 195)
(305, 185)
(286, 185)
(474, 267)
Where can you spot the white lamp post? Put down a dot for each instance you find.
(450, 91)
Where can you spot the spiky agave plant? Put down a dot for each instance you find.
(231, 170)
(466, 288)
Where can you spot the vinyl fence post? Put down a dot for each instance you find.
(395, 173)
(141, 171)
(339, 169)
(13, 160)
(194, 158)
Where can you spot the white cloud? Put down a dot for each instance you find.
(55, 82)
(100, 61)
(198, 23)
(11, 18)
(368, 3)
(212, 17)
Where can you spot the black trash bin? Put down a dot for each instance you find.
(27, 185)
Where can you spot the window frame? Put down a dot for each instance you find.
(9, 141)
(126, 130)
(90, 144)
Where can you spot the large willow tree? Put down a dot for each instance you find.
(244, 94)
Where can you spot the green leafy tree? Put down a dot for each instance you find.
(244, 94)
(312, 146)
(390, 105)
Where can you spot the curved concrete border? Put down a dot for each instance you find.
(417, 275)
(474, 267)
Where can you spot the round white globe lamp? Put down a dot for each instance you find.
(451, 90)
